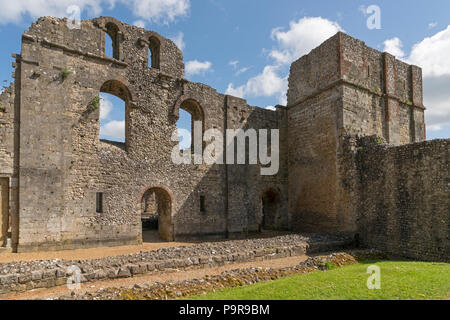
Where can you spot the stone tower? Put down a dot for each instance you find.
(343, 88)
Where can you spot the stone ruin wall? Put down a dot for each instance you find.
(343, 88)
(329, 179)
(403, 197)
(63, 164)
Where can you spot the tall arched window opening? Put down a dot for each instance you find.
(114, 105)
(154, 53)
(112, 41)
(190, 112)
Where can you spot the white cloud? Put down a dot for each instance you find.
(14, 11)
(432, 25)
(164, 11)
(437, 100)
(237, 92)
(196, 67)
(433, 54)
(266, 84)
(241, 70)
(113, 129)
(179, 40)
(302, 36)
(159, 11)
(394, 46)
(271, 108)
(139, 23)
(106, 107)
(234, 64)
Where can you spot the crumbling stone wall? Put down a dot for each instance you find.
(60, 171)
(343, 88)
(8, 161)
(63, 164)
(404, 198)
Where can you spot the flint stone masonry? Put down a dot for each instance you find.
(57, 167)
(23, 276)
(405, 202)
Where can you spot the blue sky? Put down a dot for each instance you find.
(244, 47)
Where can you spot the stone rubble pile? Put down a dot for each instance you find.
(24, 276)
(228, 279)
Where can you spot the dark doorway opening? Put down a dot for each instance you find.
(270, 210)
(156, 216)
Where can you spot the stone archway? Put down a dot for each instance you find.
(156, 213)
(270, 203)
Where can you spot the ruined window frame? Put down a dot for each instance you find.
(99, 201)
(154, 55)
(113, 31)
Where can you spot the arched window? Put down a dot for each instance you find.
(154, 53)
(114, 100)
(190, 112)
(112, 41)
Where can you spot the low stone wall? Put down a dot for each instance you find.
(24, 276)
(228, 279)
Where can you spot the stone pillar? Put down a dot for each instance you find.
(418, 109)
(391, 104)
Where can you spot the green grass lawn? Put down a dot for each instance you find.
(399, 280)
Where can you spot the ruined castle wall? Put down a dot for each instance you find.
(64, 165)
(404, 198)
(383, 96)
(313, 142)
(344, 88)
(7, 131)
(8, 163)
(246, 185)
(314, 120)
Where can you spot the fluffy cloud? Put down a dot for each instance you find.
(241, 70)
(113, 129)
(14, 11)
(179, 40)
(159, 11)
(266, 84)
(437, 100)
(106, 107)
(196, 67)
(302, 36)
(139, 23)
(432, 54)
(234, 64)
(164, 11)
(394, 46)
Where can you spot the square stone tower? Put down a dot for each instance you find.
(343, 88)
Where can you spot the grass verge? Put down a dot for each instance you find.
(400, 280)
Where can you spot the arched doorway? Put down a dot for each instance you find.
(156, 215)
(270, 203)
